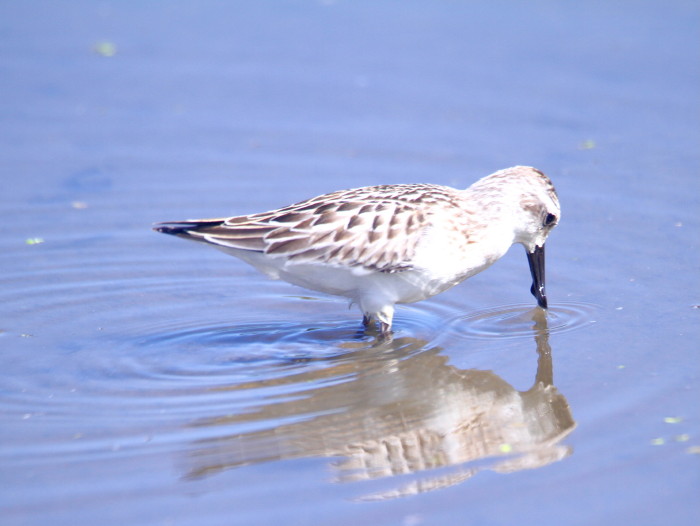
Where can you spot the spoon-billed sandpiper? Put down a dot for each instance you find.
(382, 245)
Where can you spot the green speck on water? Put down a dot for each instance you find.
(657, 441)
(34, 240)
(673, 419)
(105, 48)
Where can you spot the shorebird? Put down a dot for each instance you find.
(389, 244)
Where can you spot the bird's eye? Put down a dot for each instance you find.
(549, 220)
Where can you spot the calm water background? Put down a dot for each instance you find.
(146, 380)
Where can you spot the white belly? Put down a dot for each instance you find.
(355, 283)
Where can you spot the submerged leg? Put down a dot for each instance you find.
(384, 319)
(379, 310)
(385, 316)
(384, 329)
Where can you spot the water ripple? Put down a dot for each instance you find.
(516, 321)
(212, 350)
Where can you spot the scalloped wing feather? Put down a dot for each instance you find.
(373, 228)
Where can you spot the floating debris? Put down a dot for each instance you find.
(673, 420)
(588, 144)
(683, 438)
(693, 450)
(105, 48)
(657, 441)
(79, 205)
(34, 240)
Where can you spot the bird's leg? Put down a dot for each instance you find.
(384, 329)
(385, 316)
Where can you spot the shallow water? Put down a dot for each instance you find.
(152, 381)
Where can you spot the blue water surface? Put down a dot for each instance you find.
(146, 380)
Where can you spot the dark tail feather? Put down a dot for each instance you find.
(184, 228)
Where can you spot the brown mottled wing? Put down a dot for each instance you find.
(346, 228)
(374, 235)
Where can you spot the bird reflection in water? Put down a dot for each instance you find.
(396, 409)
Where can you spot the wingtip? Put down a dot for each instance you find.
(171, 228)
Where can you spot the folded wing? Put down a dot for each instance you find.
(346, 228)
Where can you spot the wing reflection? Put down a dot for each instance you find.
(397, 410)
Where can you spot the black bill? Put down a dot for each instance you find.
(536, 261)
